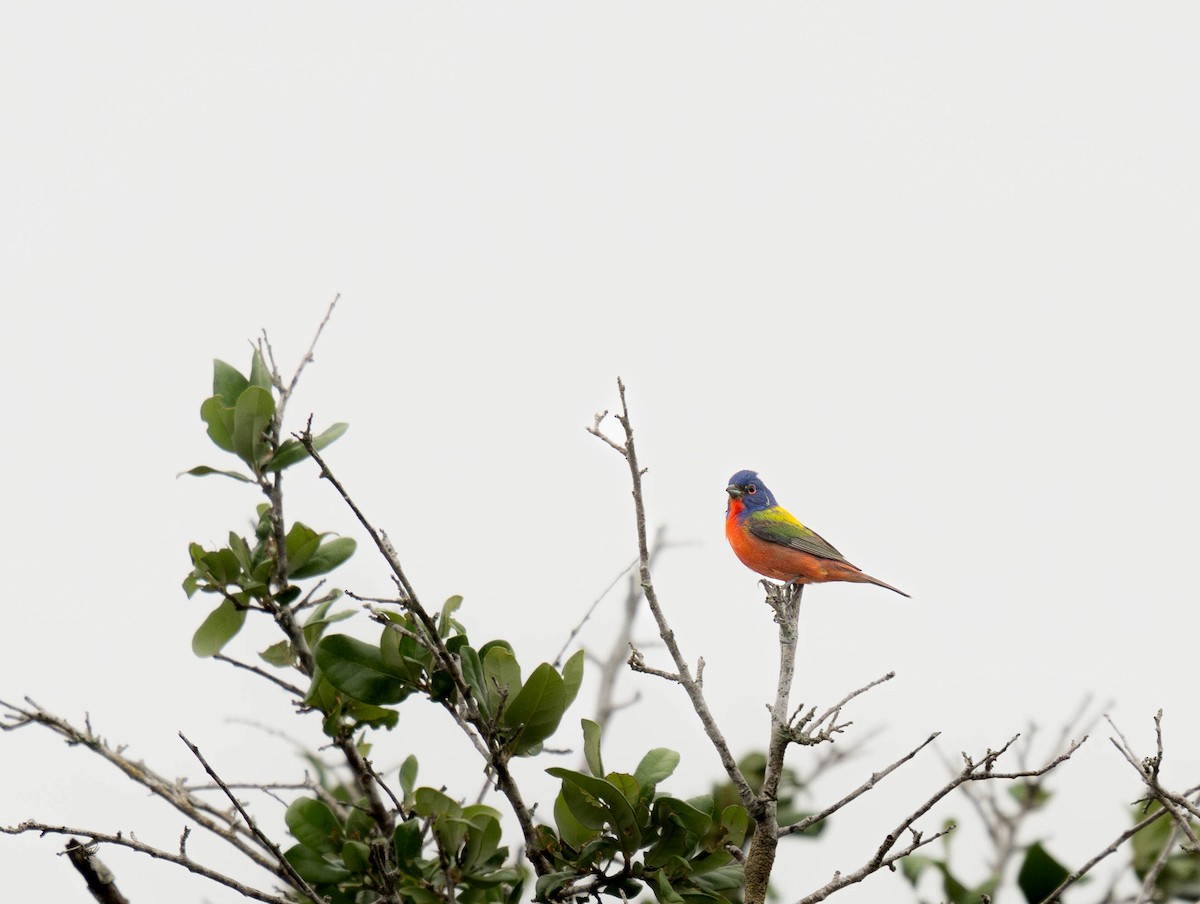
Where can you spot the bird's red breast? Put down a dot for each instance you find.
(782, 563)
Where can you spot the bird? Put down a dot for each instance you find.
(768, 539)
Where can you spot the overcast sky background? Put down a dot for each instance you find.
(928, 267)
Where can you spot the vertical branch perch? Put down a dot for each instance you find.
(760, 859)
(690, 685)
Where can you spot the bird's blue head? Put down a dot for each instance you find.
(753, 493)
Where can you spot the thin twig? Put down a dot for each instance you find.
(194, 808)
(691, 687)
(130, 842)
(297, 881)
(287, 686)
(1112, 848)
(590, 609)
(876, 778)
(1177, 805)
(308, 356)
(837, 707)
(1148, 884)
(983, 770)
(840, 880)
(637, 662)
(494, 752)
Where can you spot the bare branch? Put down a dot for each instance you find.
(1112, 848)
(263, 673)
(130, 842)
(1177, 805)
(983, 770)
(840, 880)
(590, 609)
(1148, 884)
(293, 877)
(368, 782)
(833, 711)
(695, 693)
(876, 778)
(194, 808)
(495, 755)
(308, 355)
(637, 662)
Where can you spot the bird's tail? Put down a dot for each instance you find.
(863, 576)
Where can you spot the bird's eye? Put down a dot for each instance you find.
(751, 489)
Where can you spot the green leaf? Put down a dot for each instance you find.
(672, 841)
(537, 709)
(357, 670)
(356, 856)
(1040, 874)
(472, 669)
(662, 888)
(301, 542)
(407, 841)
(666, 809)
(627, 784)
(621, 815)
(218, 629)
(583, 807)
(359, 824)
(219, 418)
(251, 418)
(572, 673)
(313, 867)
(1148, 843)
(492, 644)
(501, 673)
(508, 875)
(241, 551)
(281, 655)
(403, 657)
(483, 836)
(737, 823)
(259, 375)
(432, 802)
(721, 881)
(313, 824)
(291, 452)
(591, 747)
(369, 714)
(914, 865)
(548, 885)
(318, 622)
(448, 609)
(408, 775)
(956, 892)
(570, 829)
(228, 383)
(205, 470)
(327, 557)
(1029, 794)
(655, 766)
(706, 861)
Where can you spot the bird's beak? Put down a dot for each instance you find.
(734, 490)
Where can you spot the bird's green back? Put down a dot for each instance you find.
(777, 525)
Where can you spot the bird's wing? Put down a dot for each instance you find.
(777, 525)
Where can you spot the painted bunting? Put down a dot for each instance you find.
(768, 539)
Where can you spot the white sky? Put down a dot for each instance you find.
(929, 267)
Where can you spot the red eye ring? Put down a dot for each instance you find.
(751, 489)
